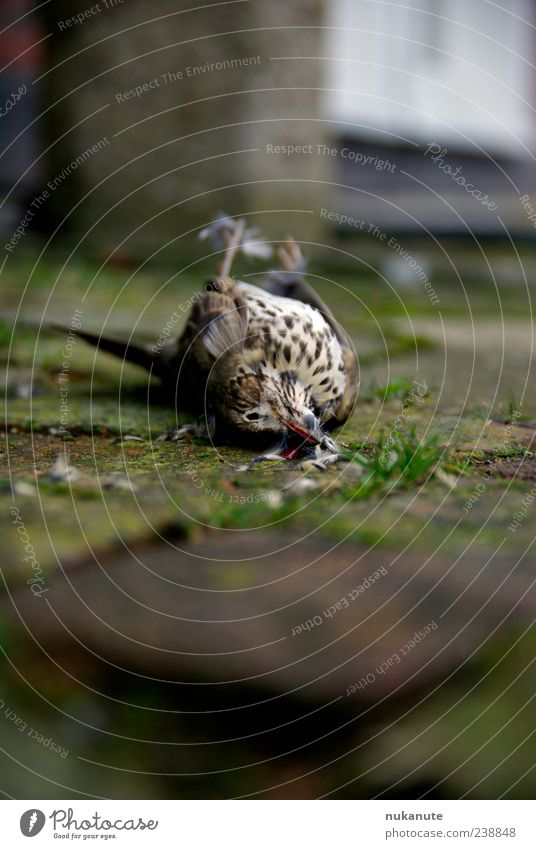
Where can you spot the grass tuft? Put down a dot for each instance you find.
(395, 390)
(400, 460)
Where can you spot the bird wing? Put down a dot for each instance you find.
(217, 323)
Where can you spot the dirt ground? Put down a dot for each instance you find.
(200, 626)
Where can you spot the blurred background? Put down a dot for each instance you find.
(191, 102)
(159, 655)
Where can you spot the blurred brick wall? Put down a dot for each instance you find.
(22, 56)
(147, 170)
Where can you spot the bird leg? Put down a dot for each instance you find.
(232, 244)
(204, 428)
(290, 255)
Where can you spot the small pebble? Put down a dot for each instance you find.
(24, 488)
(273, 498)
(445, 478)
(62, 471)
(24, 390)
(299, 486)
(121, 483)
(63, 434)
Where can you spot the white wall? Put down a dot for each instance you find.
(452, 71)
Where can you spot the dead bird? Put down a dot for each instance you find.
(267, 368)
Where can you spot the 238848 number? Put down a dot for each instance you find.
(494, 832)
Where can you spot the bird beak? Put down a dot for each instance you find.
(303, 434)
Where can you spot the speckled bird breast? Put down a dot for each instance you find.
(295, 337)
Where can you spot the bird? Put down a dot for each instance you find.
(265, 366)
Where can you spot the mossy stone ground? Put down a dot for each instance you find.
(136, 504)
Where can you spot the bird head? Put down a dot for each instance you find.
(262, 406)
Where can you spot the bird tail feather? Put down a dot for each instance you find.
(140, 354)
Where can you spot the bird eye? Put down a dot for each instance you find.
(252, 417)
